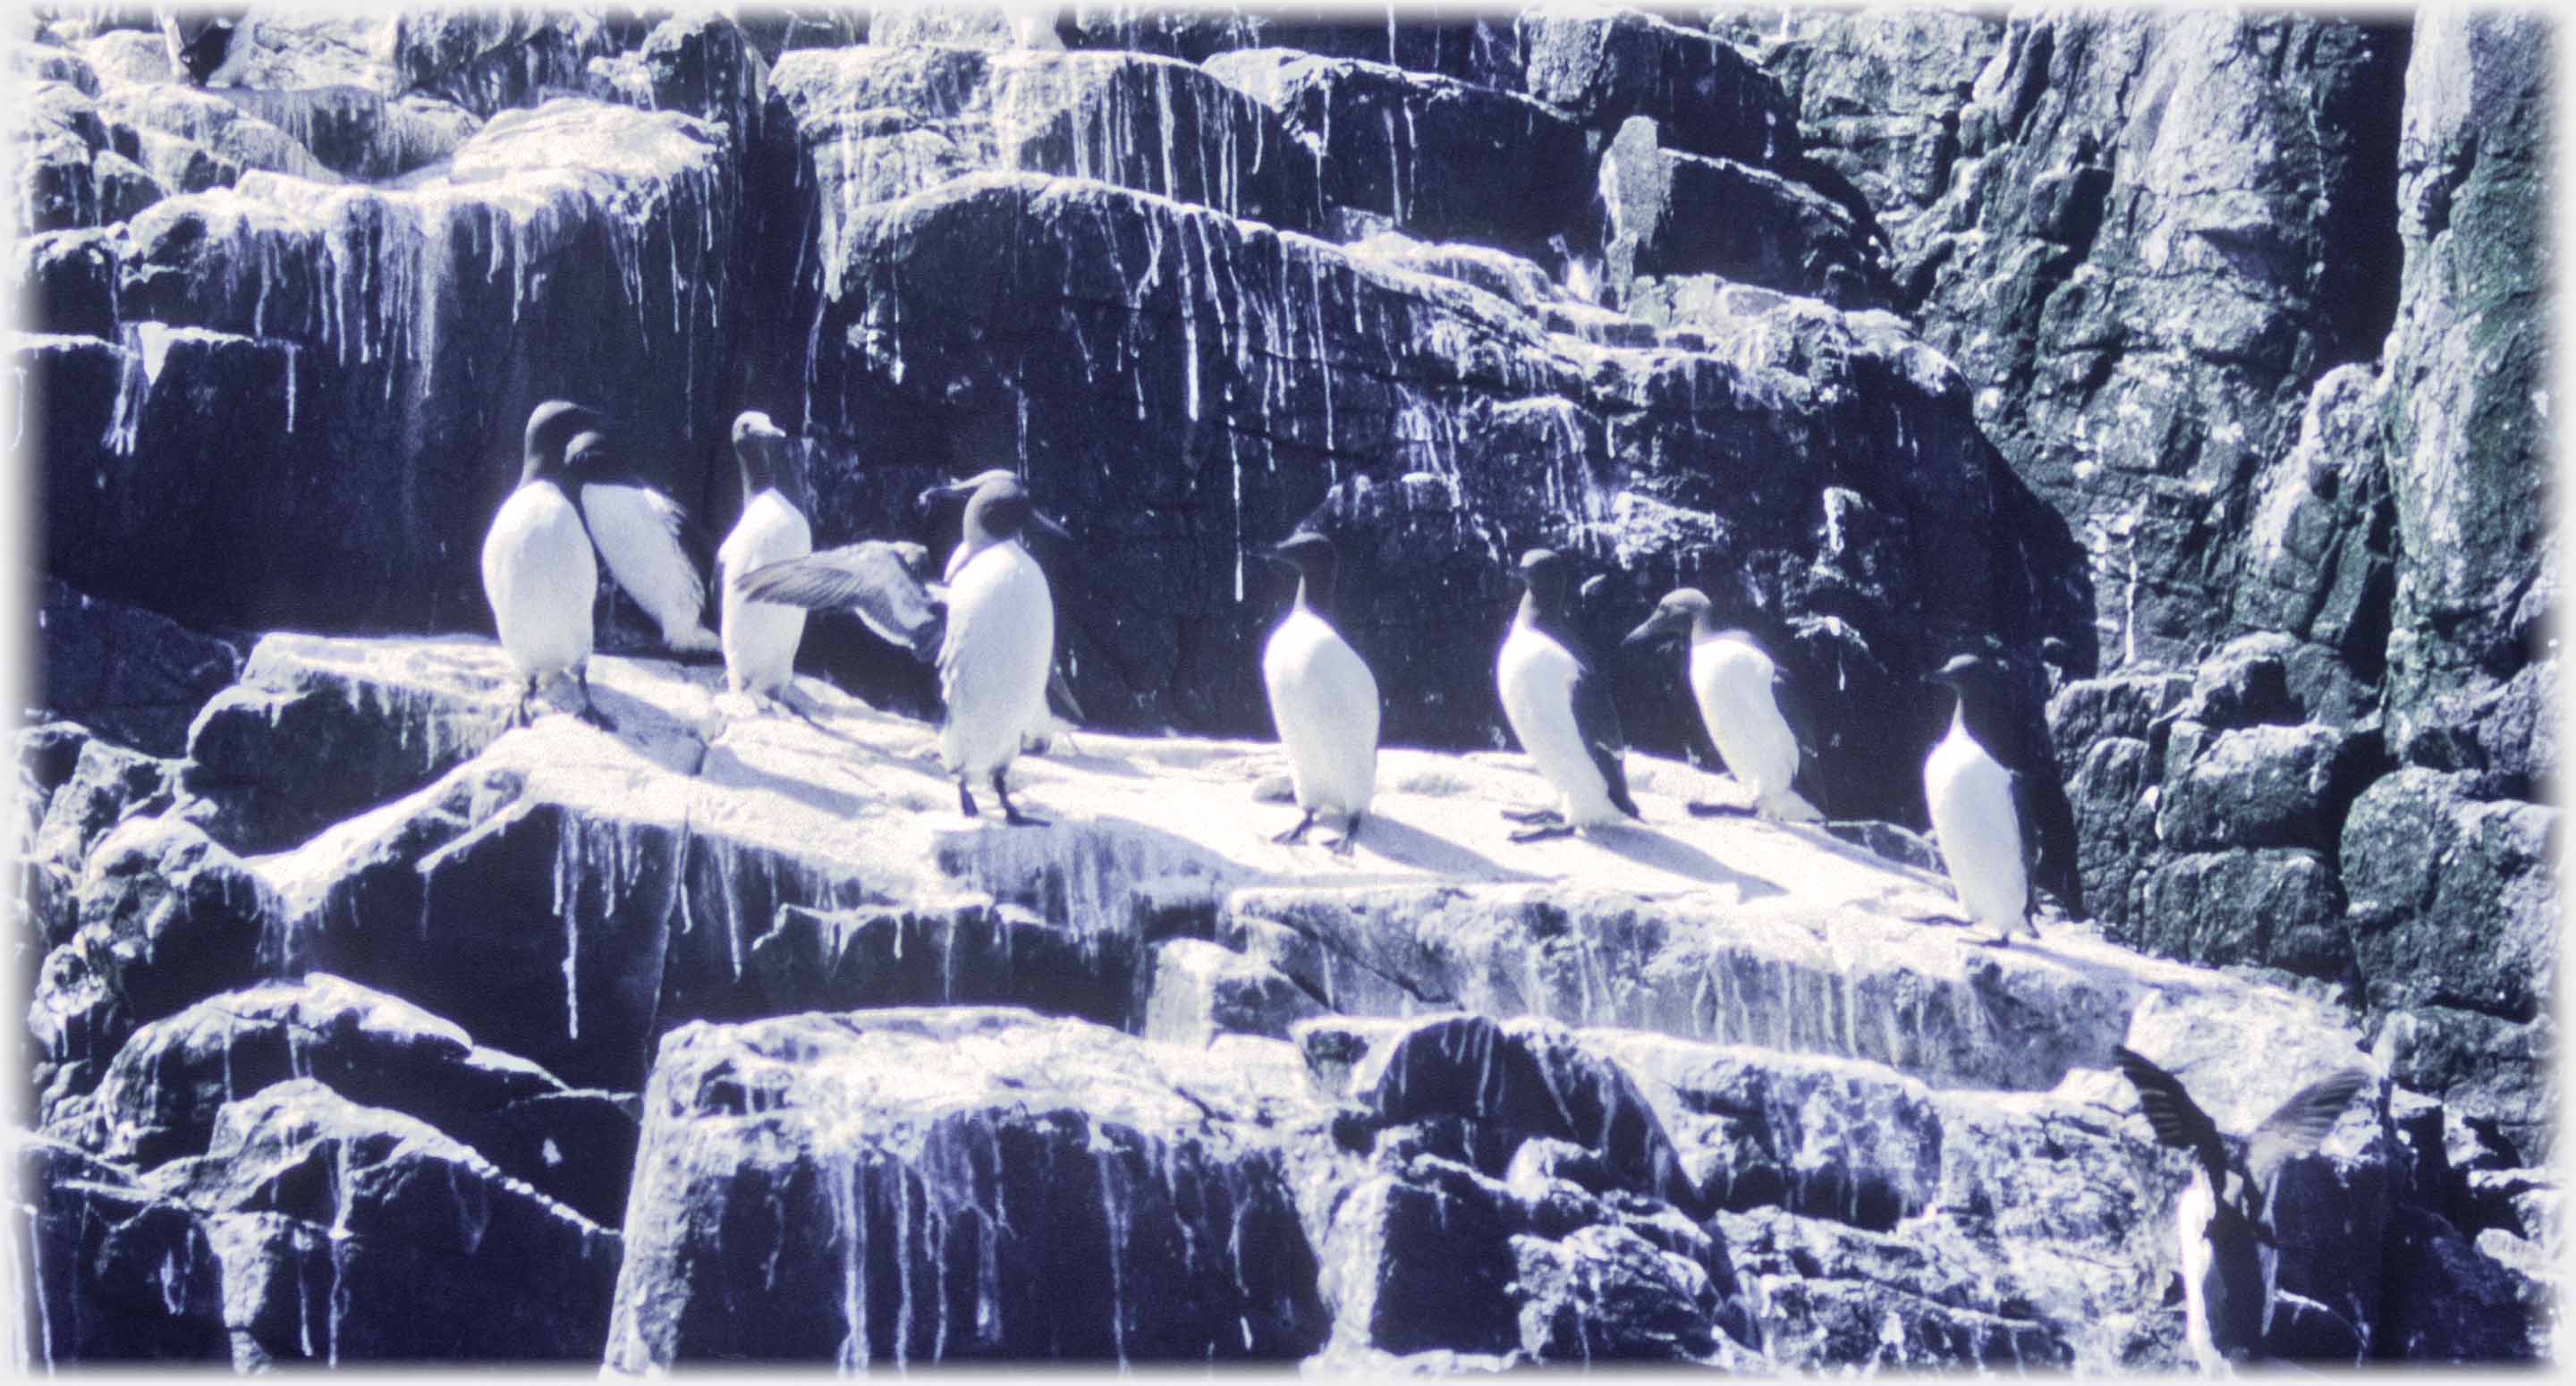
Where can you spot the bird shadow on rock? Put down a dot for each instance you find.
(642, 727)
(1820, 840)
(1411, 846)
(1086, 761)
(735, 772)
(1647, 847)
(1076, 871)
(2041, 949)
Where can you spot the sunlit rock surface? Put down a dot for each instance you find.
(1707, 1090)
(2185, 364)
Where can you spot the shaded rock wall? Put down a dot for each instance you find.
(721, 1039)
(2188, 364)
(2223, 323)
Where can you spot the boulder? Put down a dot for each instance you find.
(108, 783)
(1601, 65)
(488, 58)
(301, 50)
(67, 279)
(57, 137)
(166, 916)
(2453, 897)
(310, 736)
(1440, 159)
(1819, 1288)
(2266, 786)
(1606, 1294)
(892, 1186)
(2270, 907)
(132, 674)
(1199, 991)
(706, 66)
(1854, 1143)
(1512, 1083)
(1433, 1257)
(2128, 704)
(133, 54)
(335, 1223)
(2463, 1308)
(232, 127)
(49, 62)
(2113, 794)
(113, 1272)
(165, 1092)
(1669, 218)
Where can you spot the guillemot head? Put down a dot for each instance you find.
(1677, 615)
(1312, 556)
(1544, 572)
(999, 508)
(766, 456)
(962, 490)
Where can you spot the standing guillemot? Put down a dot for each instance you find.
(1975, 816)
(1736, 686)
(1000, 646)
(539, 573)
(1560, 707)
(1041, 733)
(1322, 697)
(2226, 1242)
(760, 637)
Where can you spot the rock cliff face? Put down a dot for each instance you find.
(733, 1011)
(2190, 366)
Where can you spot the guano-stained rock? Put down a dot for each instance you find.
(900, 1187)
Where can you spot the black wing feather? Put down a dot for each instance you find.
(1801, 718)
(1596, 720)
(2300, 1124)
(869, 578)
(2178, 1121)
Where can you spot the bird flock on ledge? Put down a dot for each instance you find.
(988, 622)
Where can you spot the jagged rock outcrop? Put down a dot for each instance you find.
(2159, 231)
(1445, 403)
(1571, 1079)
(2187, 365)
(2475, 573)
(921, 1186)
(163, 1095)
(1434, 157)
(1678, 228)
(380, 349)
(1879, 93)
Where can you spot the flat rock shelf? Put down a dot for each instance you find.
(727, 1036)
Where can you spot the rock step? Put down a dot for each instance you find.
(637, 881)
